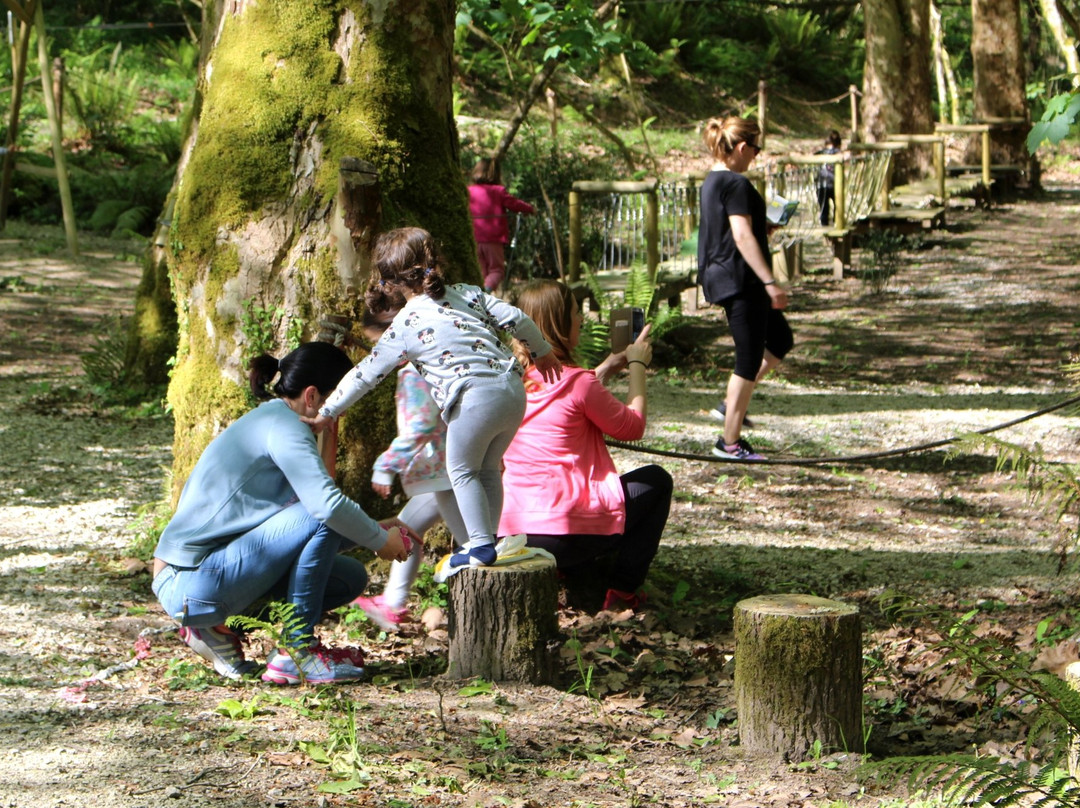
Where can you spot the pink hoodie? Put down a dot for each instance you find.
(559, 477)
(487, 206)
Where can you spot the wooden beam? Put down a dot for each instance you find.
(66, 202)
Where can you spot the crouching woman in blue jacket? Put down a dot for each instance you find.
(260, 517)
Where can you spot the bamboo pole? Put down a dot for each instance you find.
(652, 234)
(57, 136)
(839, 189)
(19, 51)
(853, 94)
(762, 109)
(574, 270)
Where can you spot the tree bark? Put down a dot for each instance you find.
(261, 227)
(798, 675)
(503, 621)
(897, 80)
(999, 76)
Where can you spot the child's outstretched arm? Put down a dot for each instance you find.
(549, 366)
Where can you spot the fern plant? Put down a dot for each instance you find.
(286, 629)
(1049, 705)
(640, 292)
(1054, 485)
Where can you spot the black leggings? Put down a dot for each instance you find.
(756, 326)
(648, 500)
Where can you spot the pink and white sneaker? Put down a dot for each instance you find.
(381, 613)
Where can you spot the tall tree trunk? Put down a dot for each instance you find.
(998, 56)
(897, 80)
(265, 238)
(1066, 41)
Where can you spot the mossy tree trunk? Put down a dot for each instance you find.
(262, 242)
(798, 676)
(897, 81)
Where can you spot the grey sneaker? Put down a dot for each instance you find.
(320, 666)
(221, 649)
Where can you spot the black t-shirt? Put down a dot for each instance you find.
(722, 271)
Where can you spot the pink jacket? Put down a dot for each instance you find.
(559, 477)
(487, 206)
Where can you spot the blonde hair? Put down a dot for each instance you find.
(550, 305)
(722, 135)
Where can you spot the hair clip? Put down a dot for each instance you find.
(428, 271)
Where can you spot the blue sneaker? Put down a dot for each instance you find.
(740, 450)
(482, 555)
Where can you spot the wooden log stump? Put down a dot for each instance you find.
(798, 675)
(503, 622)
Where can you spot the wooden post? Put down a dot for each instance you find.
(853, 93)
(573, 272)
(57, 136)
(690, 221)
(762, 109)
(652, 234)
(503, 622)
(839, 197)
(798, 675)
(939, 170)
(986, 177)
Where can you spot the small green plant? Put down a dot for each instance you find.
(285, 628)
(258, 326)
(146, 529)
(492, 737)
(183, 674)
(882, 258)
(239, 710)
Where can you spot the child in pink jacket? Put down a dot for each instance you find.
(488, 203)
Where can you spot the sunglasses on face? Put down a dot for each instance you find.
(754, 146)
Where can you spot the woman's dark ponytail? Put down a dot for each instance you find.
(261, 371)
(313, 363)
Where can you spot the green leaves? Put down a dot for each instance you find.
(1056, 122)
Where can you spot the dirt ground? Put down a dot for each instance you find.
(102, 705)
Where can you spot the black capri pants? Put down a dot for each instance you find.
(756, 326)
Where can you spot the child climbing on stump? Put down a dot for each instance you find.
(450, 333)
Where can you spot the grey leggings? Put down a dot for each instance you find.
(479, 429)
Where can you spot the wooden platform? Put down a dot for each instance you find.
(907, 220)
(670, 283)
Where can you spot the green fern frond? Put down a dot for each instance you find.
(286, 629)
(593, 344)
(640, 289)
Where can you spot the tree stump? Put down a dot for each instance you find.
(798, 675)
(502, 622)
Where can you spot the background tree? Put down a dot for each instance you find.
(999, 75)
(263, 242)
(897, 81)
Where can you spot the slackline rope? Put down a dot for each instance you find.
(816, 461)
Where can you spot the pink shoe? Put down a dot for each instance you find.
(381, 614)
(617, 601)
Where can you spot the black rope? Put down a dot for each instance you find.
(819, 461)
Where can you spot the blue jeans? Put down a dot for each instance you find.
(291, 557)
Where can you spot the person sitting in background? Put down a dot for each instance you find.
(562, 488)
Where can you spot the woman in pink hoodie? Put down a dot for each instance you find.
(488, 204)
(561, 487)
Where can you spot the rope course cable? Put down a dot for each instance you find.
(836, 100)
(819, 461)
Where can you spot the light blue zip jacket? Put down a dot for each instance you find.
(262, 462)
